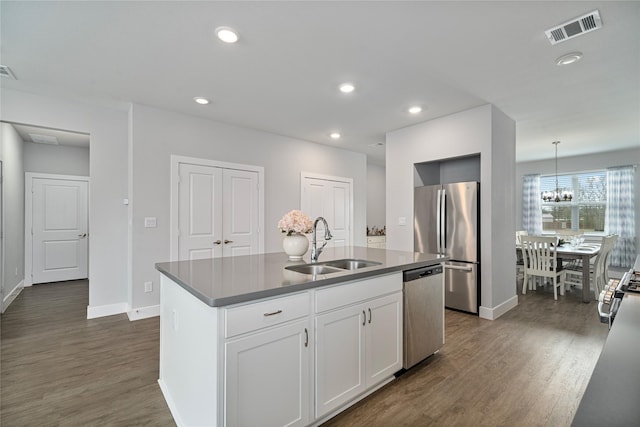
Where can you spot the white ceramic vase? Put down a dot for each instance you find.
(295, 246)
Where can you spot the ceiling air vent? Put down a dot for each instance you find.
(6, 72)
(574, 28)
(43, 139)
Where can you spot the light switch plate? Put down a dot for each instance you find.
(148, 286)
(150, 222)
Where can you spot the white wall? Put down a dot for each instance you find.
(108, 165)
(156, 134)
(484, 130)
(580, 163)
(376, 196)
(11, 154)
(56, 159)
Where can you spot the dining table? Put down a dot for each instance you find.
(583, 252)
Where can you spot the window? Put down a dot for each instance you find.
(586, 212)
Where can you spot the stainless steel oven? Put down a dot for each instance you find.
(611, 296)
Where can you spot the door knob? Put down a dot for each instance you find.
(228, 241)
(217, 242)
(82, 235)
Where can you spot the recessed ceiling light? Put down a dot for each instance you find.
(334, 135)
(347, 87)
(200, 100)
(415, 109)
(569, 58)
(226, 34)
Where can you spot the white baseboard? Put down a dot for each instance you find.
(8, 299)
(144, 312)
(170, 404)
(499, 310)
(106, 310)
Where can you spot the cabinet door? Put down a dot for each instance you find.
(340, 374)
(383, 338)
(268, 377)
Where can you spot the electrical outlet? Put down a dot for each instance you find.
(402, 220)
(148, 286)
(150, 222)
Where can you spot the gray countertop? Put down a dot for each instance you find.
(612, 397)
(230, 280)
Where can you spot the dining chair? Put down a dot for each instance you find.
(598, 271)
(520, 257)
(541, 262)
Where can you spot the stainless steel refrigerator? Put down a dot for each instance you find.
(447, 221)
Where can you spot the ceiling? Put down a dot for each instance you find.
(62, 137)
(283, 74)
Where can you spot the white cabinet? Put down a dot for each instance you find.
(340, 361)
(258, 363)
(268, 377)
(384, 338)
(358, 345)
(268, 363)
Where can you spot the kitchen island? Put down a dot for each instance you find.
(246, 341)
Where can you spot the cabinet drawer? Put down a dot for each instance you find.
(258, 315)
(376, 239)
(354, 292)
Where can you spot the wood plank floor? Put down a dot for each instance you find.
(60, 369)
(528, 368)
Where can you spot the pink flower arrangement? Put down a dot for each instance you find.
(295, 222)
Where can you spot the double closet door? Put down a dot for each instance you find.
(331, 199)
(218, 212)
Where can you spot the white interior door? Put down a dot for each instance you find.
(332, 200)
(59, 230)
(218, 210)
(200, 212)
(240, 212)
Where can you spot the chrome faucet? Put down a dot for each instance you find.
(315, 251)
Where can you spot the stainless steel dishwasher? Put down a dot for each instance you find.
(423, 313)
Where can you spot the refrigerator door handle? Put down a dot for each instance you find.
(457, 267)
(438, 222)
(443, 221)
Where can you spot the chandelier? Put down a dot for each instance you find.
(557, 195)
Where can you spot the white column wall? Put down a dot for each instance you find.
(108, 187)
(11, 154)
(482, 130)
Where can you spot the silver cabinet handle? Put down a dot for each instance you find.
(306, 337)
(217, 242)
(273, 313)
(228, 241)
(369, 315)
(364, 318)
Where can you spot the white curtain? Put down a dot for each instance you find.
(620, 217)
(531, 207)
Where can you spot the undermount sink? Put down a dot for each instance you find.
(313, 269)
(334, 266)
(351, 264)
